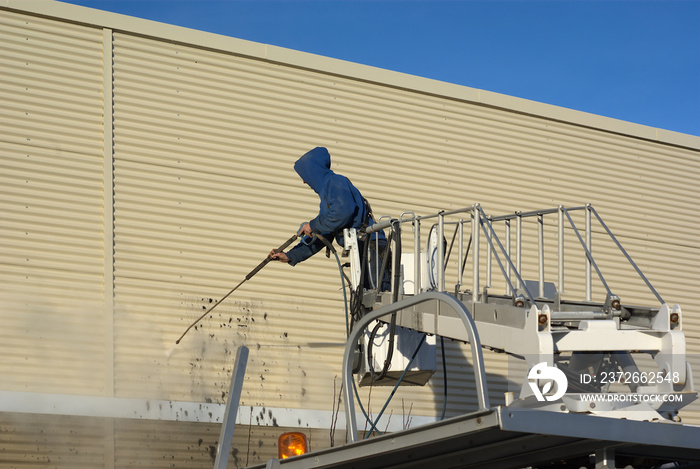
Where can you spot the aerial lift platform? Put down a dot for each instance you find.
(602, 381)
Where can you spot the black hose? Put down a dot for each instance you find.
(466, 254)
(356, 308)
(370, 346)
(396, 228)
(397, 261)
(343, 277)
(398, 383)
(452, 243)
(385, 258)
(392, 330)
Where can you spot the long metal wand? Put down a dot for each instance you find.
(247, 277)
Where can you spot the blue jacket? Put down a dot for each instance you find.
(342, 205)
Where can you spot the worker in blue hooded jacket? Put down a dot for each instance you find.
(342, 206)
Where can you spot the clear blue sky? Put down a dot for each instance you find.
(634, 60)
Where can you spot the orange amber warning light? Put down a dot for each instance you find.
(291, 444)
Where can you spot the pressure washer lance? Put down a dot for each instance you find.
(247, 277)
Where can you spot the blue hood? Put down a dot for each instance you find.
(314, 168)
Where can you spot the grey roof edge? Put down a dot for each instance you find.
(289, 57)
(506, 437)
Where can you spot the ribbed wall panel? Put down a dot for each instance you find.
(51, 80)
(193, 445)
(37, 441)
(204, 143)
(51, 200)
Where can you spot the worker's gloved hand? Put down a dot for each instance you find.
(278, 256)
(305, 230)
(307, 237)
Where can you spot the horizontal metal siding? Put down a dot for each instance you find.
(51, 186)
(204, 187)
(57, 441)
(193, 445)
(180, 176)
(60, 441)
(204, 145)
(193, 180)
(193, 171)
(200, 202)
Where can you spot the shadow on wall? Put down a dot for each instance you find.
(454, 385)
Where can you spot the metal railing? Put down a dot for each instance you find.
(482, 224)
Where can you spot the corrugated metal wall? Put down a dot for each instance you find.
(203, 146)
(40, 441)
(51, 186)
